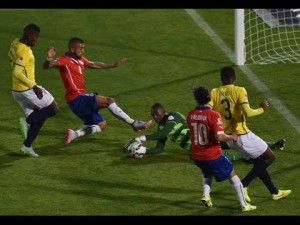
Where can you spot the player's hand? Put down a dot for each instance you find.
(140, 138)
(51, 51)
(129, 143)
(120, 62)
(234, 137)
(265, 105)
(38, 91)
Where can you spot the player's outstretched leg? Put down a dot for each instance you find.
(70, 136)
(139, 125)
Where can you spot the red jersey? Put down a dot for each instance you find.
(72, 74)
(204, 124)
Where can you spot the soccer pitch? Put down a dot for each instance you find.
(168, 54)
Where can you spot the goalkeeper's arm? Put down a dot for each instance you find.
(158, 149)
(160, 134)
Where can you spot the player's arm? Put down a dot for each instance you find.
(264, 105)
(211, 103)
(163, 133)
(221, 136)
(219, 130)
(102, 65)
(50, 62)
(159, 148)
(161, 136)
(249, 112)
(19, 73)
(158, 135)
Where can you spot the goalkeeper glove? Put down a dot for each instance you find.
(140, 138)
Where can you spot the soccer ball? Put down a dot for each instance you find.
(136, 149)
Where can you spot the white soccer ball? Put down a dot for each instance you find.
(136, 149)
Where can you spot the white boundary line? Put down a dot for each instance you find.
(278, 105)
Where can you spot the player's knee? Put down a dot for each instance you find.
(54, 106)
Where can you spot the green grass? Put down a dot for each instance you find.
(168, 55)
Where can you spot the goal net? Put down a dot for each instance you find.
(265, 36)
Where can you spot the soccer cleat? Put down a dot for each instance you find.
(206, 200)
(280, 144)
(139, 125)
(247, 198)
(28, 151)
(281, 194)
(248, 207)
(70, 136)
(23, 127)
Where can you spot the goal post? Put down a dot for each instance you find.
(239, 37)
(265, 36)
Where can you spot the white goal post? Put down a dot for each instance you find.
(265, 36)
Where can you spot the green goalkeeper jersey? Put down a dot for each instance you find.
(173, 127)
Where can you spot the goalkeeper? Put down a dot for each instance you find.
(173, 126)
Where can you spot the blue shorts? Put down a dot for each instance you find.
(86, 108)
(219, 168)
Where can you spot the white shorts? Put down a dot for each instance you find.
(29, 101)
(249, 145)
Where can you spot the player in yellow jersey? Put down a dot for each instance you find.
(36, 102)
(232, 103)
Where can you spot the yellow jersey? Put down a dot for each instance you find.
(231, 102)
(22, 64)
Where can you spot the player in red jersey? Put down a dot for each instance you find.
(206, 132)
(86, 106)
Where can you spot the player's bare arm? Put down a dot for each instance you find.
(226, 137)
(50, 62)
(102, 65)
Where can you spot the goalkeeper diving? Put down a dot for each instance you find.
(173, 126)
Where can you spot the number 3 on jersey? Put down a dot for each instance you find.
(226, 102)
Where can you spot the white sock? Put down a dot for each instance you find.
(117, 111)
(238, 186)
(91, 129)
(207, 185)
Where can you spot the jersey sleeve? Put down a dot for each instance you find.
(19, 71)
(86, 62)
(163, 133)
(218, 124)
(158, 148)
(60, 61)
(242, 96)
(243, 101)
(212, 94)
